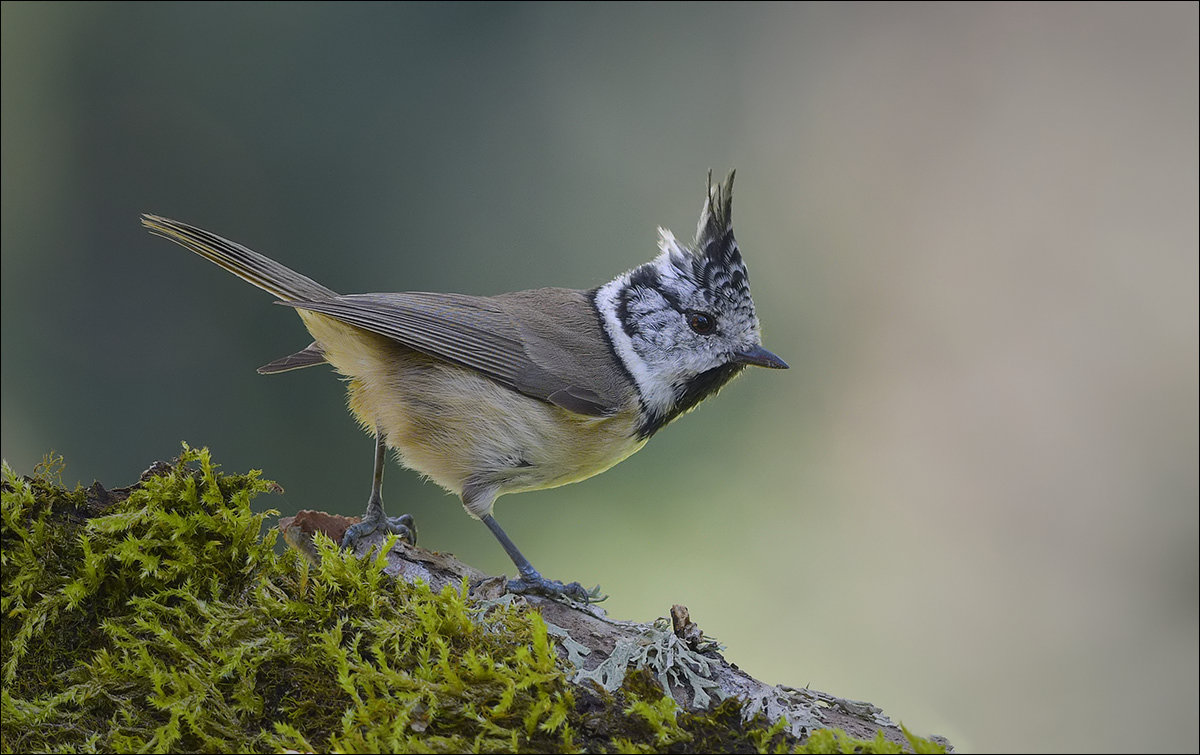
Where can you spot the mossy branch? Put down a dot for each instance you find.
(159, 617)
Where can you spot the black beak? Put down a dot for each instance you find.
(760, 357)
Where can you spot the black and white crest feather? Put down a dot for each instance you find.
(714, 261)
(714, 232)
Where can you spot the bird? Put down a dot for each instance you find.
(489, 395)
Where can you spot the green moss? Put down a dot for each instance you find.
(162, 619)
(837, 741)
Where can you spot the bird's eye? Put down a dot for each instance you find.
(701, 322)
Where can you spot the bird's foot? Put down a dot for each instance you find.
(402, 525)
(536, 584)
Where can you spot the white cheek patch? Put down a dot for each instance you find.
(657, 394)
(656, 326)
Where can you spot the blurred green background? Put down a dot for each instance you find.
(971, 230)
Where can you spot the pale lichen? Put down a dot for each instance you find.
(668, 657)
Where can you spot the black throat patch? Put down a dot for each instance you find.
(694, 391)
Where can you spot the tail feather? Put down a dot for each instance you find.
(309, 356)
(246, 264)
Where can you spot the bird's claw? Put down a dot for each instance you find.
(551, 588)
(402, 525)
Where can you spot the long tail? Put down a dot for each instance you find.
(249, 265)
(252, 267)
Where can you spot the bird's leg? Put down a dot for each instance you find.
(375, 520)
(533, 583)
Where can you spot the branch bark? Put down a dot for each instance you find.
(602, 649)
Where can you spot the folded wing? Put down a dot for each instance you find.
(545, 343)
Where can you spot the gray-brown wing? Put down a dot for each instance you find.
(531, 341)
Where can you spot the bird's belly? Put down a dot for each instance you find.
(573, 449)
(455, 426)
